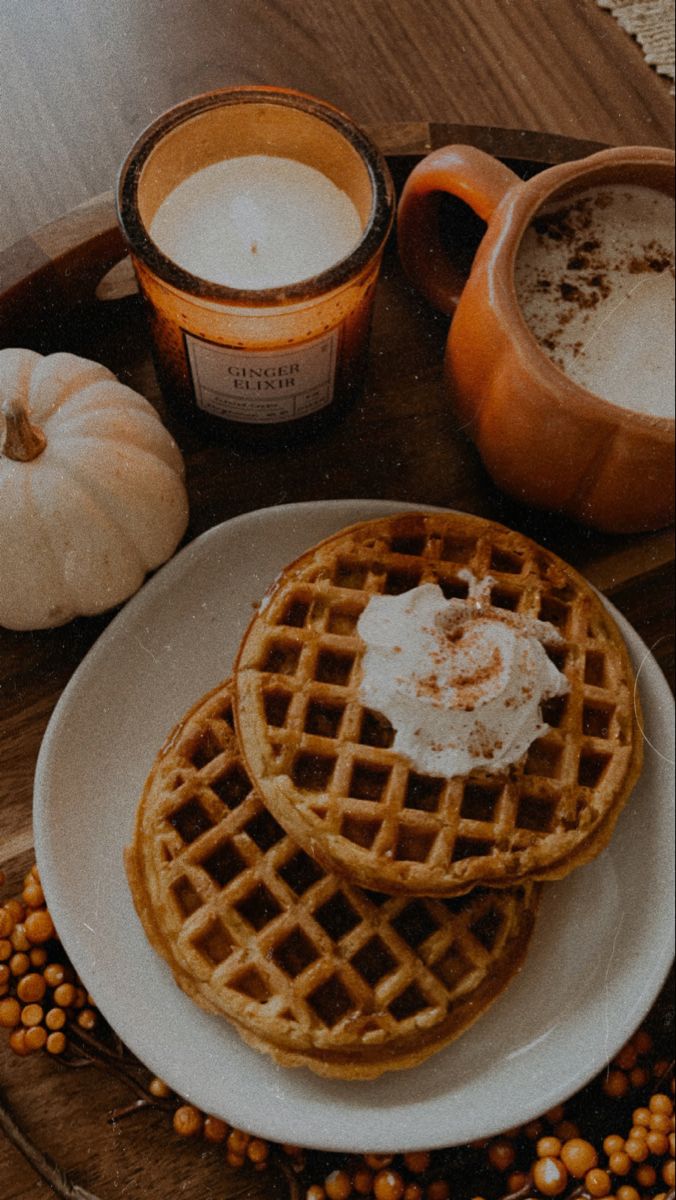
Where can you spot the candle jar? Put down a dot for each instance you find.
(243, 357)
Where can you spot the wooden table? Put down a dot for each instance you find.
(80, 78)
(74, 94)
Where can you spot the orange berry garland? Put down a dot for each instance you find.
(43, 1006)
(39, 993)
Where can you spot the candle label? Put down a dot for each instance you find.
(260, 386)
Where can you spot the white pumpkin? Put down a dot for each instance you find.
(91, 489)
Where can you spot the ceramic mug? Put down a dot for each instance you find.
(544, 438)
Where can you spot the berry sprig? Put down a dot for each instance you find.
(40, 994)
(45, 1007)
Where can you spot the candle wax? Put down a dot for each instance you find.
(256, 221)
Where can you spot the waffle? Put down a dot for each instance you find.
(325, 765)
(309, 969)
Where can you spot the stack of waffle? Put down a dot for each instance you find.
(344, 910)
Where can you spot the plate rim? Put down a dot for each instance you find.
(152, 589)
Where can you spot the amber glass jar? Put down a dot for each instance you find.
(206, 335)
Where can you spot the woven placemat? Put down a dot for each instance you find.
(651, 22)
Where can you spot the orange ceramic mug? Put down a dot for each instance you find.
(544, 437)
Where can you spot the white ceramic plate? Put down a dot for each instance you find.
(601, 949)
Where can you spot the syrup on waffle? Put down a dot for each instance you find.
(325, 765)
(309, 968)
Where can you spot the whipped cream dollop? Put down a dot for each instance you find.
(461, 682)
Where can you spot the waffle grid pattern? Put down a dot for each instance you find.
(256, 929)
(324, 763)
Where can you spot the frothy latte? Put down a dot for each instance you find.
(595, 282)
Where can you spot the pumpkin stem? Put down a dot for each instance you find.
(23, 441)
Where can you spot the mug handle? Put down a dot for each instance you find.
(463, 171)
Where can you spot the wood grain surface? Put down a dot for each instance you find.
(80, 78)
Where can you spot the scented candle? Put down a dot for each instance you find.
(257, 220)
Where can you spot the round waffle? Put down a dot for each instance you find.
(310, 969)
(325, 765)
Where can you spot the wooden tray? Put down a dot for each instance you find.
(68, 287)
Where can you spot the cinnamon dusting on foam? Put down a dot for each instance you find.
(461, 682)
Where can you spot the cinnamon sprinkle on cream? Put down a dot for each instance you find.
(469, 679)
